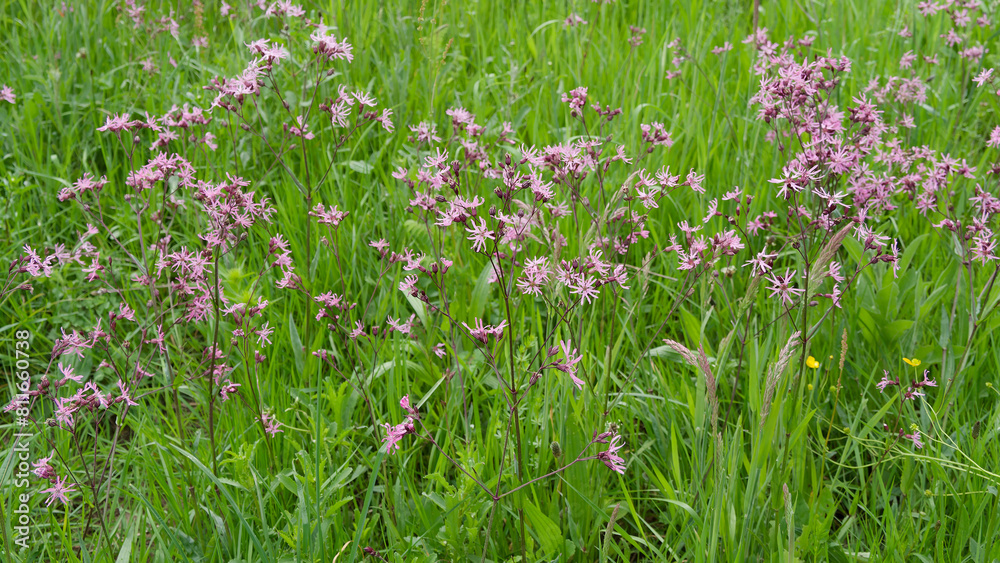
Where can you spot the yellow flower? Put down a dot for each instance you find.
(811, 362)
(809, 387)
(914, 362)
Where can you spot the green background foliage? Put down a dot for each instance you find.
(686, 495)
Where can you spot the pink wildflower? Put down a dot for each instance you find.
(983, 77)
(67, 372)
(405, 404)
(271, 424)
(760, 263)
(576, 98)
(393, 434)
(994, 140)
(409, 285)
(610, 457)
(264, 334)
(480, 332)
(58, 491)
(570, 358)
(727, 46)
(359, 329)
(42, 469)
(116, 123)
(585, 287)
(124, 395)
(328, 46)
(480, 234)
(573, 20)
(886, 382)
(782, 286)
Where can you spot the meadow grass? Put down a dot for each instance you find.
(816, 479)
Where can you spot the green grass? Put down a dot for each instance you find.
(323, 490)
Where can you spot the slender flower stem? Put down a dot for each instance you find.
(550, 473)
(210, 375)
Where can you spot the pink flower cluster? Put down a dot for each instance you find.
(393, 434)
(914, 389)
